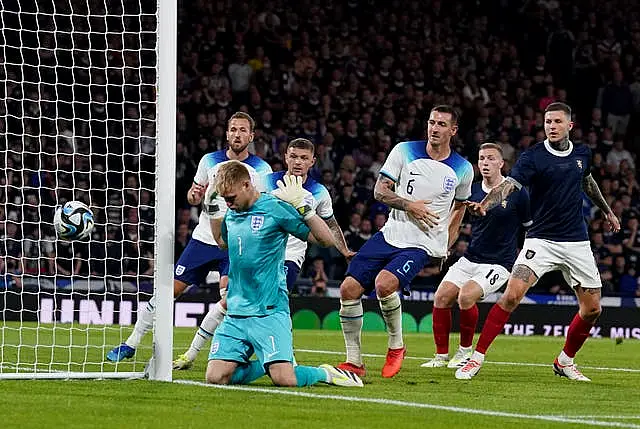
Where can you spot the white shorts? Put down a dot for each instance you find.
(573, 258)
(490, 277)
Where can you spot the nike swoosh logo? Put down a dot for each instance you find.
(414, 174)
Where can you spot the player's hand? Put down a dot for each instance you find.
(196, 193)
(418, 210)
(614, 223)
(349, 255)
(475, 209)
(290, 190)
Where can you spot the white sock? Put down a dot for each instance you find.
(205, 331)
(478, 357)
(465, 349)
(443, 356)
(391, 308)
(144, 323)
(351, 321)
(564, 360)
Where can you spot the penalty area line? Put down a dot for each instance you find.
(595, 368)
(381, 401)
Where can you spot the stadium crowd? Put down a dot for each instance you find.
(355, 77)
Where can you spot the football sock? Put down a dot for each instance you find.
(310, 375)
(576, 336)
(205, 331)
(391, 309)
(494, 324)
(245, 374)
(351, 321)
(441, 328)
(144, 323)
(468, 322)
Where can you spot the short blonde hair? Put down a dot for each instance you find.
(491, 145)
(229, 174)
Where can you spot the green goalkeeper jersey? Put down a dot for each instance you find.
(257, 240)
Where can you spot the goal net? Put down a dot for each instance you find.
(79, 121)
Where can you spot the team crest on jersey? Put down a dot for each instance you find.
(530, 254)
(179, 270)
(256, 223)
(504, 204)
(579, 162)
(449, 183)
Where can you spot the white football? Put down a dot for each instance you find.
(73, 220)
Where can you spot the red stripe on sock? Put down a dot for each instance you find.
(576, 335)
(468, 322)
(494, 324)
(441, 329)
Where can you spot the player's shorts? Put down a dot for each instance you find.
(490, 277)
(198, 259)
(573, 258)
(292, 270)
(269, 337)
(377, 255)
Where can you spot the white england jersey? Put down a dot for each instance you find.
(206, 174)
(418, 177)
(296, 248)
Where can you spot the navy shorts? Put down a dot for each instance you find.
(377, 255)
(198, 259)
(292, 270)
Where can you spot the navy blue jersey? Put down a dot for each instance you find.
(554, 180)
(494, 237)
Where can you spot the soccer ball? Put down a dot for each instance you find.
(73, 220)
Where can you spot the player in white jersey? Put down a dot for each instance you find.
(485, 266)
(202, 253)
(557, 173)
(299, 157)
(419, 181)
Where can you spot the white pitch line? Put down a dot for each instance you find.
(279, 391)
(596, 368)
(603, 417)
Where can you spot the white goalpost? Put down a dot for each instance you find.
(87, 113)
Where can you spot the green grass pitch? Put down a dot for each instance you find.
(515, 388)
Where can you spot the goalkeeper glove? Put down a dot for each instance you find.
(214, 205)
(291, 191)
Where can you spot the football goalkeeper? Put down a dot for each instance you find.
(258, 321)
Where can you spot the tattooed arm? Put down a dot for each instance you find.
(592, 190)
(341, 243)
(494, 197)
(384, 192)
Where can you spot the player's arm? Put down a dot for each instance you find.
(592, 190)
(338, 236)
(494, 197)
(195, 194)
(216, 230)
(310, 227)
(320, 232)
(385, 193)
(455, 220)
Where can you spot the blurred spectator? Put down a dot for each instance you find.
(355, 80)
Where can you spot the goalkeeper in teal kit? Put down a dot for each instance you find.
(258, 321)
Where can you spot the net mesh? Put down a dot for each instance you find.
(77, 119)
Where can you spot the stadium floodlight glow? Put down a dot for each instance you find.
(87, 114)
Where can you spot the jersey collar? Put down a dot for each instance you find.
(555, 152)
(487, 189)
